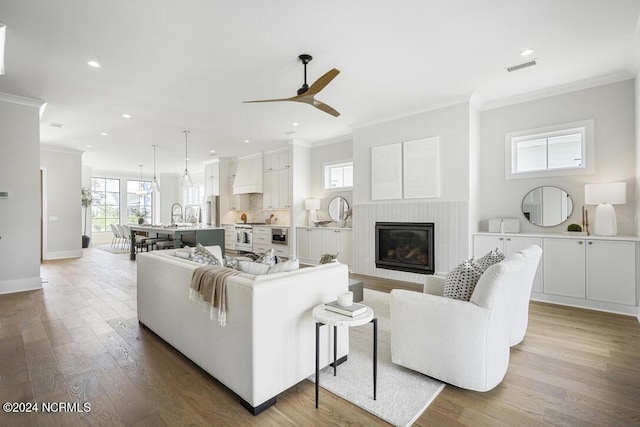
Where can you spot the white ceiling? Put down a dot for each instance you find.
(189, 65)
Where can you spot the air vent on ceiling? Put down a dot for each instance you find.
(56, 125)
(521, 66)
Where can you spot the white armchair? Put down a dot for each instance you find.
(464, 343)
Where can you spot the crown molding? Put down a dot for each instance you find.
(558, 90)
(21, 100)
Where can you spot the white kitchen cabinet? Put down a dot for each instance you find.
(262, 241)
(611, 271)
(276, 160)
(230, 237)
(508, 244)
(276, 190)
(338, 242)
(564, 267)
(212, 179)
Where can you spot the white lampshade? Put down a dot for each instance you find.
(605, 195)
(311, 204)
(614, 193)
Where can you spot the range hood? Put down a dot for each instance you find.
(249, 175)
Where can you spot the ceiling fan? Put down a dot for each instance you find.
(307, 93)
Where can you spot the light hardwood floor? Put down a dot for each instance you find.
(78, 340)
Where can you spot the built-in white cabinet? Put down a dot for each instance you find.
(592, 272)
(564, 272)
(230, 237)
(508, 244)
(313, 242)
(262, 241)
(276, 180)
(212, 179)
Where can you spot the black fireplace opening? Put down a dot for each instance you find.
(405, 246)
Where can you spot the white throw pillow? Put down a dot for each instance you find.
(461, 281)
(281, 267)
(182, 254)
(255, 268)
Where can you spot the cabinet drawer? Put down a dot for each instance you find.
(259, 239)
(281, 251)
(260, 248)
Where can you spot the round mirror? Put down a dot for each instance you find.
(338, 208)
(547, 206)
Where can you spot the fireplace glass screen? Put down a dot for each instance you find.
(405, 247)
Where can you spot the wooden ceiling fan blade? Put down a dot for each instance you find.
(324, 107)
(323, 81)
(269, 100)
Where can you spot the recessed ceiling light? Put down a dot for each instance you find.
(246, 141)
(89, 146)
(212, 151)
(126, 116)
(294, 124)
(104, 134)
(94, 64)
(526, 52)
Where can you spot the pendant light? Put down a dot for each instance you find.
(155, 184)
(186, 176)
(141, 191)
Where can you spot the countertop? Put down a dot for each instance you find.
(167, 228)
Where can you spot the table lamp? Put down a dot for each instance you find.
(605, 196)
(312, 205)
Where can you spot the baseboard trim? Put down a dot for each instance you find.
(20, 285)
(256, 410)
(62, 255)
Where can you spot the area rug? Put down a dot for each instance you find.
(402, 394)
(111, 249)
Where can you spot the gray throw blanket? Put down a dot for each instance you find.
(209, 288)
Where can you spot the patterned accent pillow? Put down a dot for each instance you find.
(203, 256)
(230, 262)
(493, 257)
(268, 258)
(461, 281)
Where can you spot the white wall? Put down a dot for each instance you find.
(64, 211)
(637, 193)
(449, 212)
(20, 176)
(334, 152)
(612, 108)
(475, 169)
(450, 124)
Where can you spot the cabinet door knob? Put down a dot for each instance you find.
(500, 238)
(580, 242)
(591, 243)
(508, 239)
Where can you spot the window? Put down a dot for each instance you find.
(338, 176)
(105, 209)
(557, 150)
(139, 201)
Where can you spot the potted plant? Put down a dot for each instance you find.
(87, 199)
(140, 214)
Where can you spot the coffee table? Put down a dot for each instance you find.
(326, 317)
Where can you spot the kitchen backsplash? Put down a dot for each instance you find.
(256, 213)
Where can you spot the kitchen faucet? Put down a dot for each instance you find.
(173, 215)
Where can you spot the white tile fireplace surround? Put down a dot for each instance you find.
(451, 221)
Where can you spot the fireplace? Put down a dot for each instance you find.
(405, 246)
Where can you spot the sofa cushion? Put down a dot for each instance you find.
(460, 282)
(203, 256)
(492, 257)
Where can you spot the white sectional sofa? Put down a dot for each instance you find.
(268, 343)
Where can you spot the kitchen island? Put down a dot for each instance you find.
(181, 235)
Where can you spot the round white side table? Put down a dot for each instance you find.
(322, 317)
